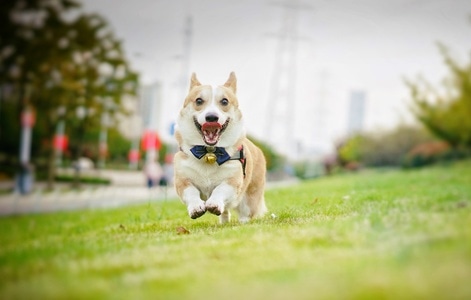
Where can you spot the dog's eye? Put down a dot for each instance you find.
(224, 102)
(199, 101)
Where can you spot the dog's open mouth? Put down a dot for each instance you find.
(211, 131)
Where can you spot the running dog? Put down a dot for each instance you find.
(217, 168)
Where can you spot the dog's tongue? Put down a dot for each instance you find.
(211, 132)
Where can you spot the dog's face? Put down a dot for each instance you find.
(210, 115)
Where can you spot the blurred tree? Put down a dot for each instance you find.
(446, 113)
(274, 160)
(382, 148)
(351, 150)
(65, 64)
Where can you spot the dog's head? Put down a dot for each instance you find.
(210, 115)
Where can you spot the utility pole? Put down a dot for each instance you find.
(320, 113)
(25, 178)
(183, 79)
(187, 40)
(280, 122)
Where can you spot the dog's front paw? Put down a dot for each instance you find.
(215, 207)
(197, 210)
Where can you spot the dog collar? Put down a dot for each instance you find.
(212, 154)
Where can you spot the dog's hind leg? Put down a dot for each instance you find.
(244, 211)
(255, 202)
(225, 217)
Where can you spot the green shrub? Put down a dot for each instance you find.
(274, 160)
(83, 179)
(382, 148)
(432, 152)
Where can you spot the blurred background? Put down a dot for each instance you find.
(324, 86)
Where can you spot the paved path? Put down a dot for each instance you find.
(127, 188)
(41, 201)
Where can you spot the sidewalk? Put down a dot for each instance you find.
(126, 188)
(40, 201)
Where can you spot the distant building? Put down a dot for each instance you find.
(145, 112)
(356, 112)
(150, 106)
(130, 124)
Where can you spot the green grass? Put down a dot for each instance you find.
(372, 235)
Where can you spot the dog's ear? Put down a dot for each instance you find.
(231, 82)
(194, 81)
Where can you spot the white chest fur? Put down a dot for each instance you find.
(206, 177)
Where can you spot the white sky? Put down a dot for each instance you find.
(369, 45)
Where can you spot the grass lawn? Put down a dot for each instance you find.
(371, 235)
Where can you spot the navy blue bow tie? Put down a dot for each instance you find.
(221, 155)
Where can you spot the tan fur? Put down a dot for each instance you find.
(178, 137)
(212, 187)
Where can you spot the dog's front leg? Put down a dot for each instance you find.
(221, 197)
(190, 195)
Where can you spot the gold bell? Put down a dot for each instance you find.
(210, 158)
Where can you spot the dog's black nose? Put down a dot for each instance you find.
(212, 117)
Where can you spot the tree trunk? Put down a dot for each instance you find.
(76, 183)
(51, 169)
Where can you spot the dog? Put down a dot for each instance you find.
(217, 169)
